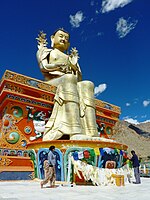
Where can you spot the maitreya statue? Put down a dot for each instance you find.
(73, 113)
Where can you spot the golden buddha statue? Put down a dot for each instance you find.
(74, 108)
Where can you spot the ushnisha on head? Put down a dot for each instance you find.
(52, 148)
(60, 40)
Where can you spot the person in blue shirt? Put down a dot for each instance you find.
(135, 164)
(49, 168)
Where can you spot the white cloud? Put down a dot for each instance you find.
(128, 104)
(143, 116)
(146, 103)
(146, 121)
(132, 121)
(101, 88)
(76, 19)
(125, 26)
(108, 5)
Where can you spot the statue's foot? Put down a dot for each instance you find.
(52, 135)
(86, 137)
(102, 139)
(80, 137)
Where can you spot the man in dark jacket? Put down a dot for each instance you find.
(136, 164)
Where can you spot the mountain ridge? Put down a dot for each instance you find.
(136, 137)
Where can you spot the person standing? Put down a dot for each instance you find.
(136, 164)
(49, 168)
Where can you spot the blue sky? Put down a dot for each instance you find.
(112, 37)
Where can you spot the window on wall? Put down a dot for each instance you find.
(102, 119)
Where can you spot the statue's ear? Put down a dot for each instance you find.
(52, 41)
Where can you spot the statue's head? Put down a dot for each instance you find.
(60, 40)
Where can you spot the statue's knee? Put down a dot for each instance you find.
(86, 88)
(70, 78)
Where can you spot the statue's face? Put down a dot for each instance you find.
(61, 40)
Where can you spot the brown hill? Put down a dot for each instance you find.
(144, 126)
(122, 133)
